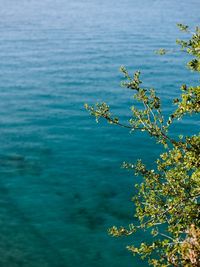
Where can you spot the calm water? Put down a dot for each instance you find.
(61, 184)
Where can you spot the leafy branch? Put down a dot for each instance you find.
(167, 201)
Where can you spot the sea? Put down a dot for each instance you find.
(61, 181)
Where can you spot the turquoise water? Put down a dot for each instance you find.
(61, 184)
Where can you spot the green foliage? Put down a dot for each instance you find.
(167, 202)
(161, 51)
(182, 27)
(192, 46)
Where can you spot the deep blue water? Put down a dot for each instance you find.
(61, 184)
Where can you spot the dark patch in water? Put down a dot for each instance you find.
(88, 217)
(108, 193)
(77, 196)
(18, 163)
(14, 160)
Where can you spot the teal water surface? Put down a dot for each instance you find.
(61, 184)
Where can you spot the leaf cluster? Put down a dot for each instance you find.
(168, 199)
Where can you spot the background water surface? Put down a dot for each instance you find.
(61, 184)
